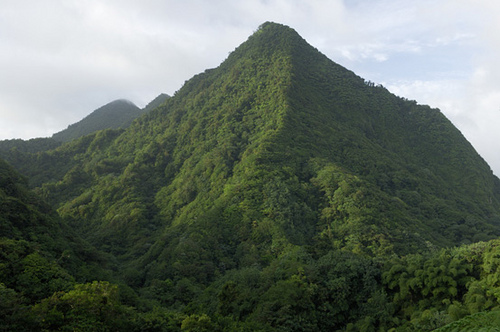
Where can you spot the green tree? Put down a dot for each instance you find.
(88, 307)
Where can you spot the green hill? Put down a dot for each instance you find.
(33, 145)
(116, 114)
(160, 99)
(281, 192)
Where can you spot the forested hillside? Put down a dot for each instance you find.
(277, 192)
(39, 253)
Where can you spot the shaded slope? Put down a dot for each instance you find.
(410, 158)
(116, 114)
(39, 253)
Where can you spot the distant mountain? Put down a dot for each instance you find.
(160, 99)
(282, 192)
(116, 114)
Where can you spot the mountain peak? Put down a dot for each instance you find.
(116, 114)
(121, 101)
(267, 39)
(273, 27)
(288, 105)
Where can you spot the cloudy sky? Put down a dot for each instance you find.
(61, 59)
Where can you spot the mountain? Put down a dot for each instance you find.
(116, 114)
(295, 145)
(160, 99)
(282, 192)
(33, 145)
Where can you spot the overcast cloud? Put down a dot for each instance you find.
(61, 59)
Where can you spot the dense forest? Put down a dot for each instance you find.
(276, 192)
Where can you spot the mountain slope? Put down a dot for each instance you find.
(39, 253)
(33, 145)
(117, 114)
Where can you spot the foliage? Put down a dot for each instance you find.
(160, 99)
(483, 321)
(18, 146)
(87, 307)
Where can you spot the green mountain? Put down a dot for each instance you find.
(292, 143)
(280, 192)
(33, 145)
(116, 114)
(160, 99)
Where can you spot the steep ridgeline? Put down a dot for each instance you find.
(257, 179)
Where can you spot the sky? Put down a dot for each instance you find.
(62, 59)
